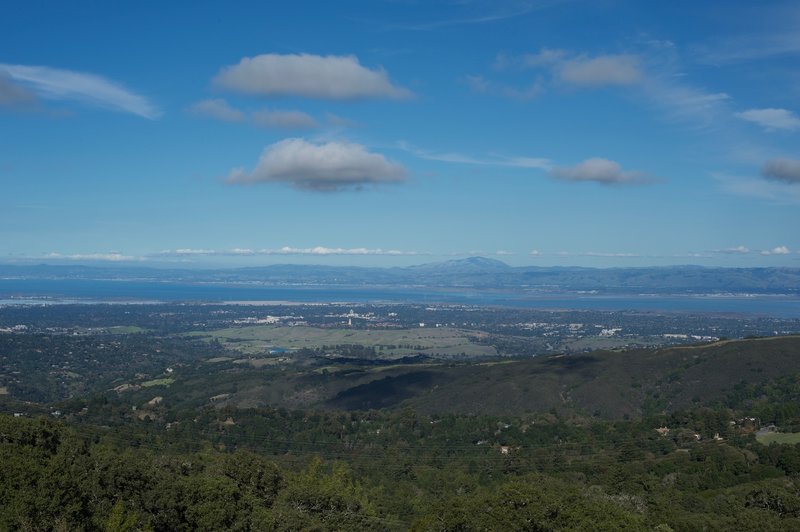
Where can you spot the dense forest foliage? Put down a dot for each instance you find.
(273, 469)
(122, 428)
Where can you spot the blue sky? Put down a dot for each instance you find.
(610, 133)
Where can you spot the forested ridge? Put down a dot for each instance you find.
(273, 469)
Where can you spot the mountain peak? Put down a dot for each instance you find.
(468, 265)
(484, 262)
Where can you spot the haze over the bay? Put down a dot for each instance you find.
(540, 133)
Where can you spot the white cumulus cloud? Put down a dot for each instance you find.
(58, 84)
(601, 70)
(330, 166)
(772, 118)
(328, 77)
(779, 250)
(598, 170)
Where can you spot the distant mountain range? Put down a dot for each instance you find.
(473, 272)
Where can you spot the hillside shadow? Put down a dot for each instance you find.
(385, 392)
(571, 363)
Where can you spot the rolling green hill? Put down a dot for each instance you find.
(614, 384)
(606, 384)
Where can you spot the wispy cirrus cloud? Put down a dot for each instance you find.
(595, 254)
(479, 12)
(330, 77)
(598, 170)
(67, 85)
(777, 191)
(284, 119)
(330, 166)
(491, 160)
(744, 250)
(195, 254)
(218, 109)
(752, 46)
(737, 250)
(187, 254)
(481, 85)
(654, 73)
(113, 256)
(610, 254)
(543, 58)
(685, 103)
(13, 94)
(711, 254)
(338, 121)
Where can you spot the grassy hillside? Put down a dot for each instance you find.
(602, 384)
(611, 385)
(615, 384)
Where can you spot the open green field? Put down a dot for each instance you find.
(778, 437)
(158, 382)
(114, 329)
(125, 329)
(600, 342)
(442, 342)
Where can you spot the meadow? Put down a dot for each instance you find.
(439, 342)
